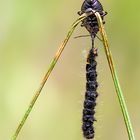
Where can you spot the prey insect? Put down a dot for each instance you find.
(90, 95)
(91, 24)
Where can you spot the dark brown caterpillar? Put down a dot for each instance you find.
(90, 95)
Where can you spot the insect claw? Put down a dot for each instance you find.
(79, 13)
(82, 24)
(104, 13)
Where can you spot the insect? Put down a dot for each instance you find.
(90, 95)
(91, 24)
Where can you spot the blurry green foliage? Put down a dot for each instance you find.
(30, 32)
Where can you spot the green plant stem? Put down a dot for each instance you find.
(115, 79)
(45, 78)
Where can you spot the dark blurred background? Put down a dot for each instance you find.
(30, 33)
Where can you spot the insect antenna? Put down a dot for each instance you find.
(87, 36)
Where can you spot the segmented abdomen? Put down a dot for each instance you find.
(90, 95)
(90, 22)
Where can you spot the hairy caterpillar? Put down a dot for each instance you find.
(90, 95)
